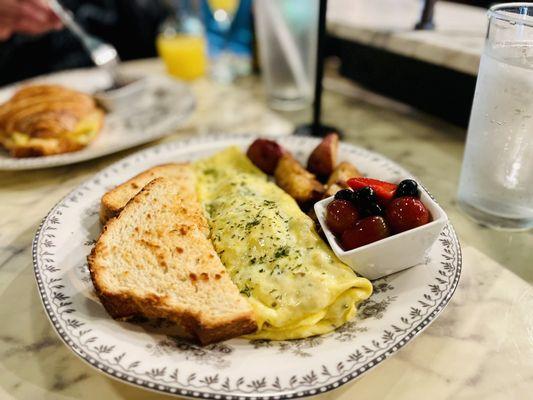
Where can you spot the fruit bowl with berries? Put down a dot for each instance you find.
(379, 227)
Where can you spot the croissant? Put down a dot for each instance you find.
(41, 120)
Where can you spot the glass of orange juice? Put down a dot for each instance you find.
(182, 45)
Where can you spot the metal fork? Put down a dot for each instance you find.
(103, 54)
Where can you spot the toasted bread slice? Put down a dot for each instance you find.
(154, 260)
(114, 201)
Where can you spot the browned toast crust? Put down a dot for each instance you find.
(110, 208)
(123, 304)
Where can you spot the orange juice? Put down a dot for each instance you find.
(185, 56)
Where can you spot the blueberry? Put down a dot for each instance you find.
(345, 194)
(364, 196)
(372, 209)
(407, 187)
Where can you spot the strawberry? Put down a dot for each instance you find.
(384, 190)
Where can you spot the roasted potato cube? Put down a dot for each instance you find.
(337, 180)
(265, 154)
(323, 159)
(302, 185)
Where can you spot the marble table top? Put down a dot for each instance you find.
(455, 43)
(480, 347)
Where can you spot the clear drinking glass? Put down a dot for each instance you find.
(496, 185)
(222, 15)
(287, 42)
(181, 41)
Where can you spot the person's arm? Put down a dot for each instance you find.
(31, 17)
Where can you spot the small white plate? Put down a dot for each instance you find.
(392, 254)
(148, 356)
(165, 105)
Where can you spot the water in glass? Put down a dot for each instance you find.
(496, 185)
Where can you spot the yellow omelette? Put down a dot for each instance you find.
(294, 282)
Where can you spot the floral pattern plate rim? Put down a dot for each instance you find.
(165, 105)
(148, 355)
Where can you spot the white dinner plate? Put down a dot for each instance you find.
(166, 104)
(146, 355)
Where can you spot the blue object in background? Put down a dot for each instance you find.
(238, 39)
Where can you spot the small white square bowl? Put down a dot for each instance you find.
(394, 253)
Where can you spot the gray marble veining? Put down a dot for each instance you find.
(481, 346)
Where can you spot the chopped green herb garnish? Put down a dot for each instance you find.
(210, 171)
(282, 251)
(253, 223)
(247, 291)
